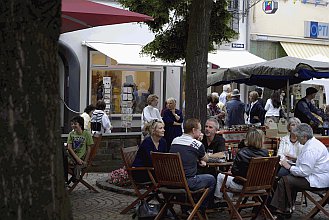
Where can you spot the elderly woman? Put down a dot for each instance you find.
(150, 112)
(289, 147)
(255, 112)
(254, 148)
(173, 119)
(153, 142)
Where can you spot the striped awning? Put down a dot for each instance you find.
(305, 51)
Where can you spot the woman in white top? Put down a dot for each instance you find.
(150, 112)
(272, 107)
(289, 147)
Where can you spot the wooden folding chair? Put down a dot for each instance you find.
(170, 175)
(128, 156)
(320, 204)
(257, 186)
(93, 151)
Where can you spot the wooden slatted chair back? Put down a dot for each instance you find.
(169, 170)
(94, 148)
(128, 155)
(261, 173)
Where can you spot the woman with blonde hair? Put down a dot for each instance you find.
(173, 119)
(153, 142)
(150, 112)
(254, 148)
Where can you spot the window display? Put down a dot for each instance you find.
(108, 85)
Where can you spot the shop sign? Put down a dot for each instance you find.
(237, 45)
(315, 29)
(270, 7)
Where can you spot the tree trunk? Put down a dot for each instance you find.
(197, 60)
(31, 170)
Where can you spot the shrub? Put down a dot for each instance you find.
(119, 177)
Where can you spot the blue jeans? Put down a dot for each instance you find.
(203, 181)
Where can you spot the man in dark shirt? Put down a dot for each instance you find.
(211, 140)
(192, 152)
(304, 109)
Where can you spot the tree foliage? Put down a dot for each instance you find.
(171, 24)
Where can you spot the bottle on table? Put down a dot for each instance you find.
(229, 153)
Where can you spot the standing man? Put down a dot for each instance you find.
(304, 109)
(211, 140)
(235, 110)
(192, 152)
(226, 90)
(311, 170)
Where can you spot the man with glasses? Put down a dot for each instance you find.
(311, 170)
(191, 151)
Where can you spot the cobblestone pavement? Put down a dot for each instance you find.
(87, 205)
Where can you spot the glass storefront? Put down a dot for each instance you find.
(115, 84)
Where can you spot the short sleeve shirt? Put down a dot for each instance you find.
(80, 142)
(190, 150)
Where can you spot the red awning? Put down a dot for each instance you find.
(80, 14)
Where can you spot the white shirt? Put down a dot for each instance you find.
(251, 105)
(286, 147)
(86, 119)
(150, 113)
(270, 110)
(106, 123)
(222, 97)
(313, 164)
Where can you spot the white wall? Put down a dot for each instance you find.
(288, 20)
(173, 84)
(120, 33)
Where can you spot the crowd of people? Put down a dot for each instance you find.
(304, 160)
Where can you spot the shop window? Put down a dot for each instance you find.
(107, 85)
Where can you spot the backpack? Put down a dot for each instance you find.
(96, 121)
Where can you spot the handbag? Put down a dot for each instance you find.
(145, 210)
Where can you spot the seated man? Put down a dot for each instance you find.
(191, 151)
(79, 142)
(311, 170)
(212, 141)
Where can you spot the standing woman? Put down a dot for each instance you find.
(154, 142)
(255, 112)
(173, 119)
(273, 106)
(150, 112)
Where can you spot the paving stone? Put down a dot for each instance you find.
(87, 205)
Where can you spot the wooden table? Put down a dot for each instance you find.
(226, 165)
